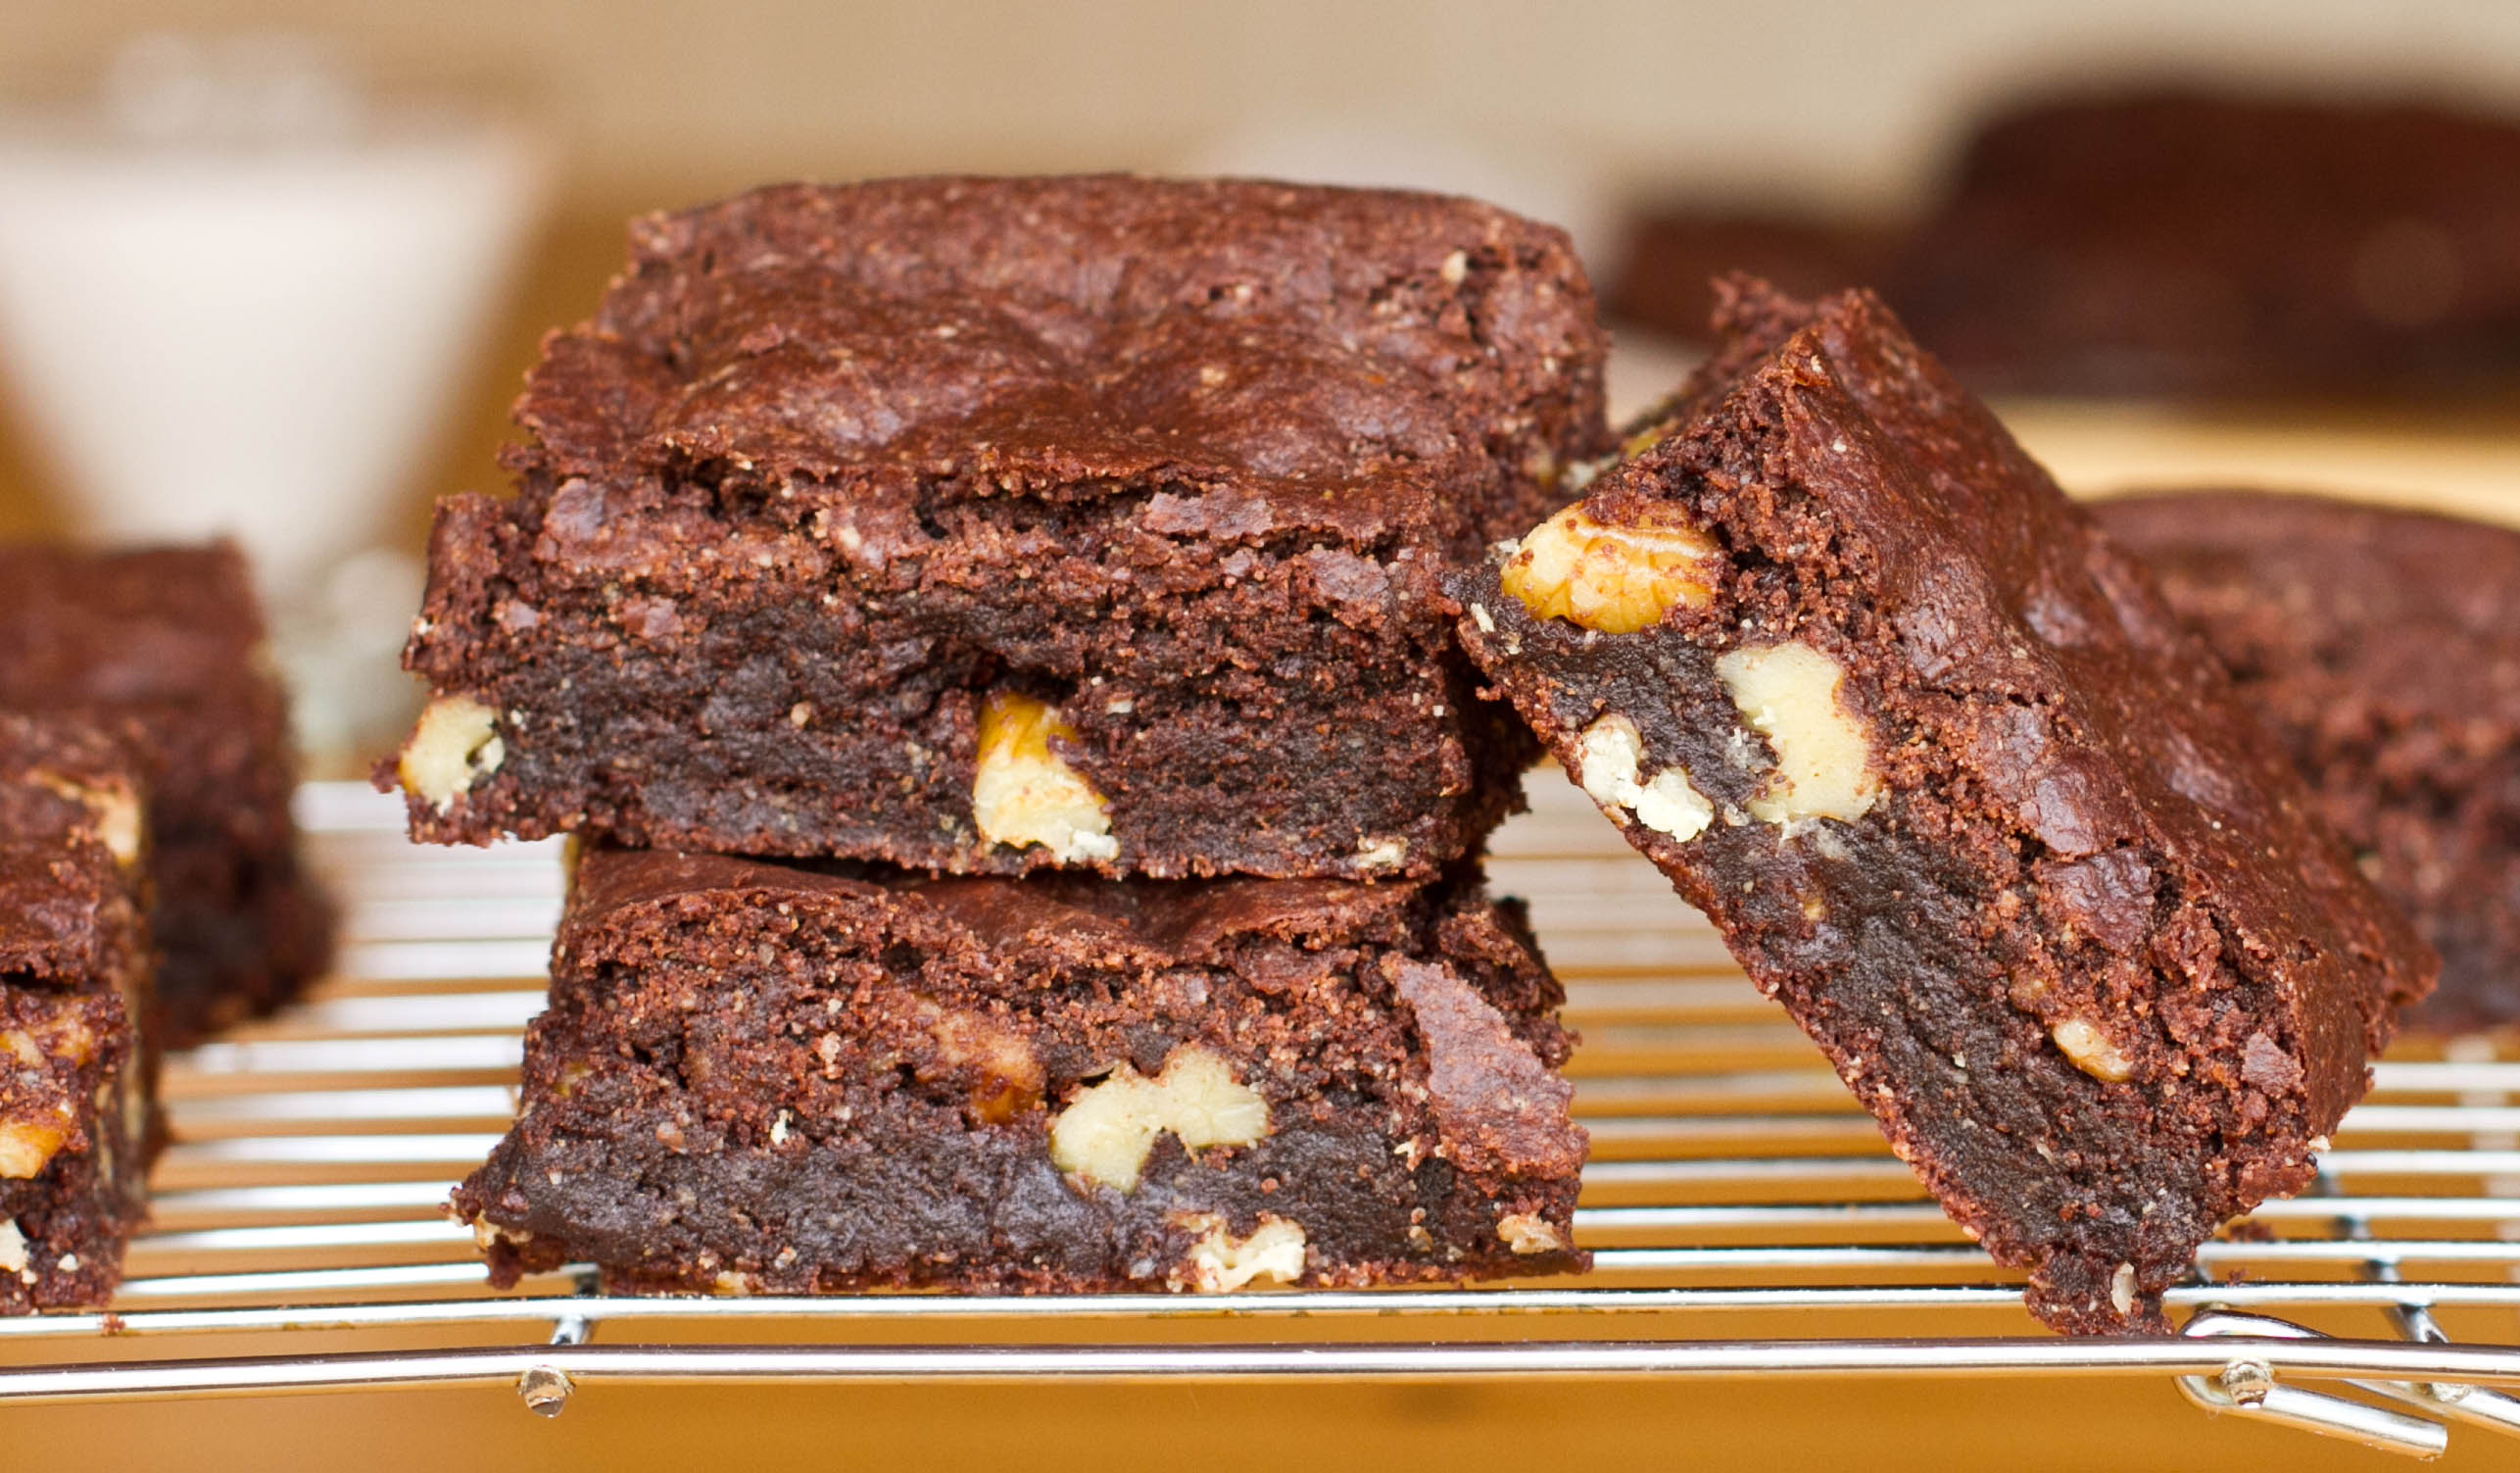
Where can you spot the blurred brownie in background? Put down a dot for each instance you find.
(986, 525)
(166, 645)
(2190, 244)
(2183, 244)
(75, 1097)
(1673, 255)
(2384, 649)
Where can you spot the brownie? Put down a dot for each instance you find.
(167, 643)
(2167, 243)
(2178, 243)
(2384, 649)
(75, 1111)
(990, 524)
(1938, 761)
(1674, 254)
(758, 1077)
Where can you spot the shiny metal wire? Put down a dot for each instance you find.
(1746, 1216)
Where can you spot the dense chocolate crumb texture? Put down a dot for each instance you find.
(990, 524)
(75, 1111)
(763, 1078)
(1843, 661)
(2383, 648)
(164, 645)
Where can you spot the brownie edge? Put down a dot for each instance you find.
(78, 1108)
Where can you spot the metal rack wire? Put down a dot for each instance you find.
(1746, 1216)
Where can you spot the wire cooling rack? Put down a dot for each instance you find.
(1746, 1217)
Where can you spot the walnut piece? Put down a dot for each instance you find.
(1789, 694)
(454, 744)
(1615, 580)
(1011, 1077)
(115, 810)
(1023, 792)
(1106, 1132)
(1219, 1262)
(65, 1035)
(26, 1146)
(2092, 1050)
(1529, 1233)
(487, 1235)
(13, 1246)
(1612, 751)
(2121, 1290)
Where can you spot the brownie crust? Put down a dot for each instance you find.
(164, 645)
(2383, 648)
(765, 1078)
(1938, 761)
(1179, 462)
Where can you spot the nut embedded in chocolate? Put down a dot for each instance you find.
(1616, 577)
(1024, 793)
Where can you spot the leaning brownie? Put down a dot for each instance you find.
(74, 1095)
(168, 642)
(2384, 649)
(759, 1078)
(1842, 660)
(980, 525)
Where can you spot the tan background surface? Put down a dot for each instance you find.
(1566, 108)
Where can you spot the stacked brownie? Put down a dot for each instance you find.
(164, 646)
(993, 635)
(75, 1075)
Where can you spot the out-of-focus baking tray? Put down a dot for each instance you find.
(1747, 1218)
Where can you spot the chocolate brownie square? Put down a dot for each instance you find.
(1675, 254)
(1841, 660)
(167, 643)
(2171, 242)
(989, 525)
(757, 1077)
(75, 1099)
(2383, 647)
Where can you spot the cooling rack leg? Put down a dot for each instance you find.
(545, 1387)
(2247, 1386)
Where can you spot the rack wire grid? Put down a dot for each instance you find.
(1746, 1216)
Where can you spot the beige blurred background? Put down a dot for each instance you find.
(1567, 109)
